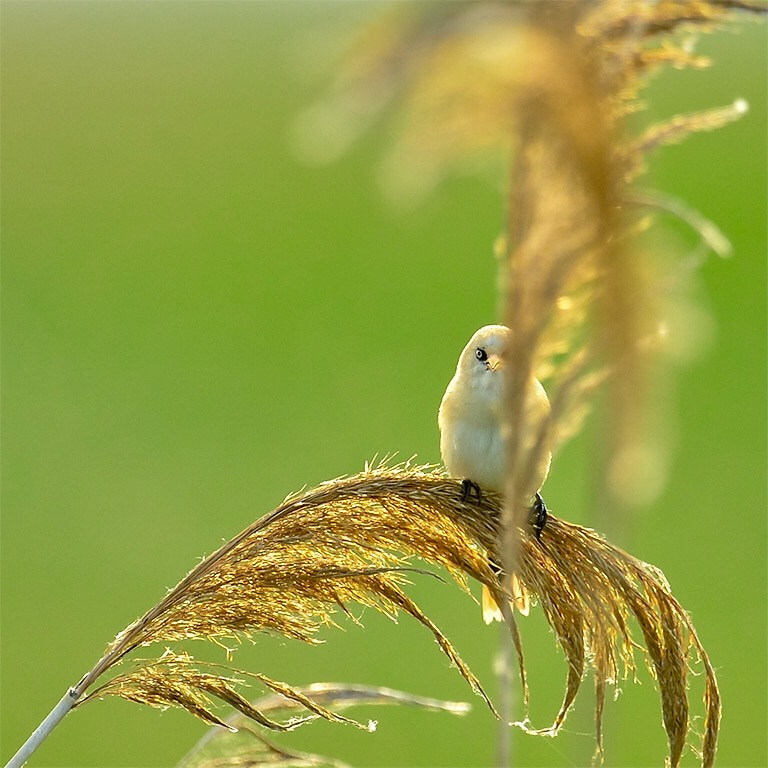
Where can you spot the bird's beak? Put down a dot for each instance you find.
(494, 362)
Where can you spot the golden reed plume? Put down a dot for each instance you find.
(335, 544)
(553, 83)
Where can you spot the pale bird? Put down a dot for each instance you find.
(472, 442)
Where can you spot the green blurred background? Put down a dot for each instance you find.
(195, 324)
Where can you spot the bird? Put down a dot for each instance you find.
(472, 440)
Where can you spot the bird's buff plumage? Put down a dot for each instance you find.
(472, 442)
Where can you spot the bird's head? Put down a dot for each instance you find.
(481, 361)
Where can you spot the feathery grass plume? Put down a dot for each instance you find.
(334, 544)
(244, 745)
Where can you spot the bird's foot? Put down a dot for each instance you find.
(539, 514)
(467, 488)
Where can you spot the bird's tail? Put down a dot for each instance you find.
(520, 600)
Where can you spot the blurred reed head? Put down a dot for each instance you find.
(553, 93)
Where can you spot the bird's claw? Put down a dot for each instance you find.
(539, 514)
(467, 488)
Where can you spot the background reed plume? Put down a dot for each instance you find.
(572, 294)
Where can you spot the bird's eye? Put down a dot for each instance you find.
(481, 354)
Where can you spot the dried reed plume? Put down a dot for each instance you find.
(345, 541)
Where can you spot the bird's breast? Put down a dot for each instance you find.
(474, 452)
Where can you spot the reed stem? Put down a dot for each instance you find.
(40, 733)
